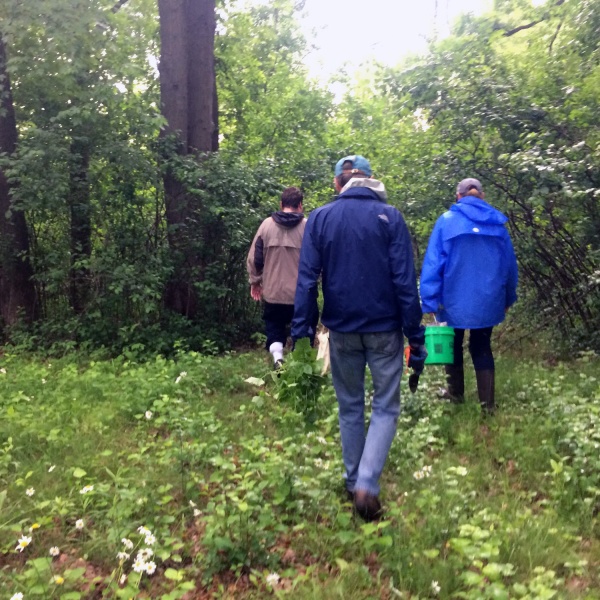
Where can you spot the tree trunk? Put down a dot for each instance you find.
(81, 229)
(189, 105)
(17, 291)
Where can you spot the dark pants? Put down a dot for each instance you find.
(480, 348)
(278, 318)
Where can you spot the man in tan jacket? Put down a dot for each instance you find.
(273, 268)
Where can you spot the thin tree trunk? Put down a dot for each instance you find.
(17, 291)
(81, 229)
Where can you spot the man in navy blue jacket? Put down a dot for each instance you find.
(469, 279)
(361, 247)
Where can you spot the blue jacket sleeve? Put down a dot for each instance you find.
(309, 270)
(432, 273)
(513, 274)
(405, 282)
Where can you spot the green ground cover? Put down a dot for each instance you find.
(177, 478)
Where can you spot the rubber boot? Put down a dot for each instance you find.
(456, 383)
(485, 390)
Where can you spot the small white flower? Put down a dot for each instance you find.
(435, 587)
(43, 380)
(150, 567)
(318, 463)
(30, 492)
(418, 475)
(18, 595)
(322, 440)
(148, 414)
(123, 556)
(86, 489)
(54, 551)
(127, 543)
(193, 504)
(181, 376)
(139, 566)
(197, 512)
(144, 530)
(272, 579)
(3, 371)
(23, 542)
(79, 524)
(123, 579)
(144, 554)
(51, 468)
(150, 540)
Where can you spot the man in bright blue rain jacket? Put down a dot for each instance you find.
(362, 248)
(469, 278)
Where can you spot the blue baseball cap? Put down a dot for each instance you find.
(359, 163)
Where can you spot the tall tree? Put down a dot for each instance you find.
(188, 101)
(17, 292)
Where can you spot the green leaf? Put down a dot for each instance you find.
(78, 473)
(173, 574)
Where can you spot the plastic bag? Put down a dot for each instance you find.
(323, 351)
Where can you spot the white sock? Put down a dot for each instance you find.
(276, 349)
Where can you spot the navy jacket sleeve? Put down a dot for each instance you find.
(309, 270)
(405, 282)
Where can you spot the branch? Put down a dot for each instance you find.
(117, 7)
(545, 16)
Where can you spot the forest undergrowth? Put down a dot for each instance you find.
(208, 477)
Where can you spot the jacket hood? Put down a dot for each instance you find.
(479, 211)
(287, 219)
(366, 183)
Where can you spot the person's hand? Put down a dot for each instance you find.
(256, 291)
(416, 360)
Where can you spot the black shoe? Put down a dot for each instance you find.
(349, 495)
(367, 505)
(278, 364)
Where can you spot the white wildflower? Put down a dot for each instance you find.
(144, 554)
(181, 376)
(139, 566)
(127, 543)
(148, 414)
(193, 504)
(273, 579)
(150, 567)
(18, 595)
(23, 542)
(30, 491)
(122, 556)
(418, 475)
(79, 524)
(150, 540)
(197, 512)
(123, 579)
(43, 380)
(322, 440)
(144, 530)
(54, 551)
(3, 371)
(86, 489)
(51, 468)
(435, 587)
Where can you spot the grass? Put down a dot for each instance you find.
(241, 495)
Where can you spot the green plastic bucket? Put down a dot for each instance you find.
(439, 341)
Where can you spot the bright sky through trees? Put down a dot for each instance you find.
(353, 31)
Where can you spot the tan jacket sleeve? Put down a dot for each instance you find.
(254, 276)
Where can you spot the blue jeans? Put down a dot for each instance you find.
(365, 455)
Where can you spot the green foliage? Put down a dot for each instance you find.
(299, 383)
(103, 460)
